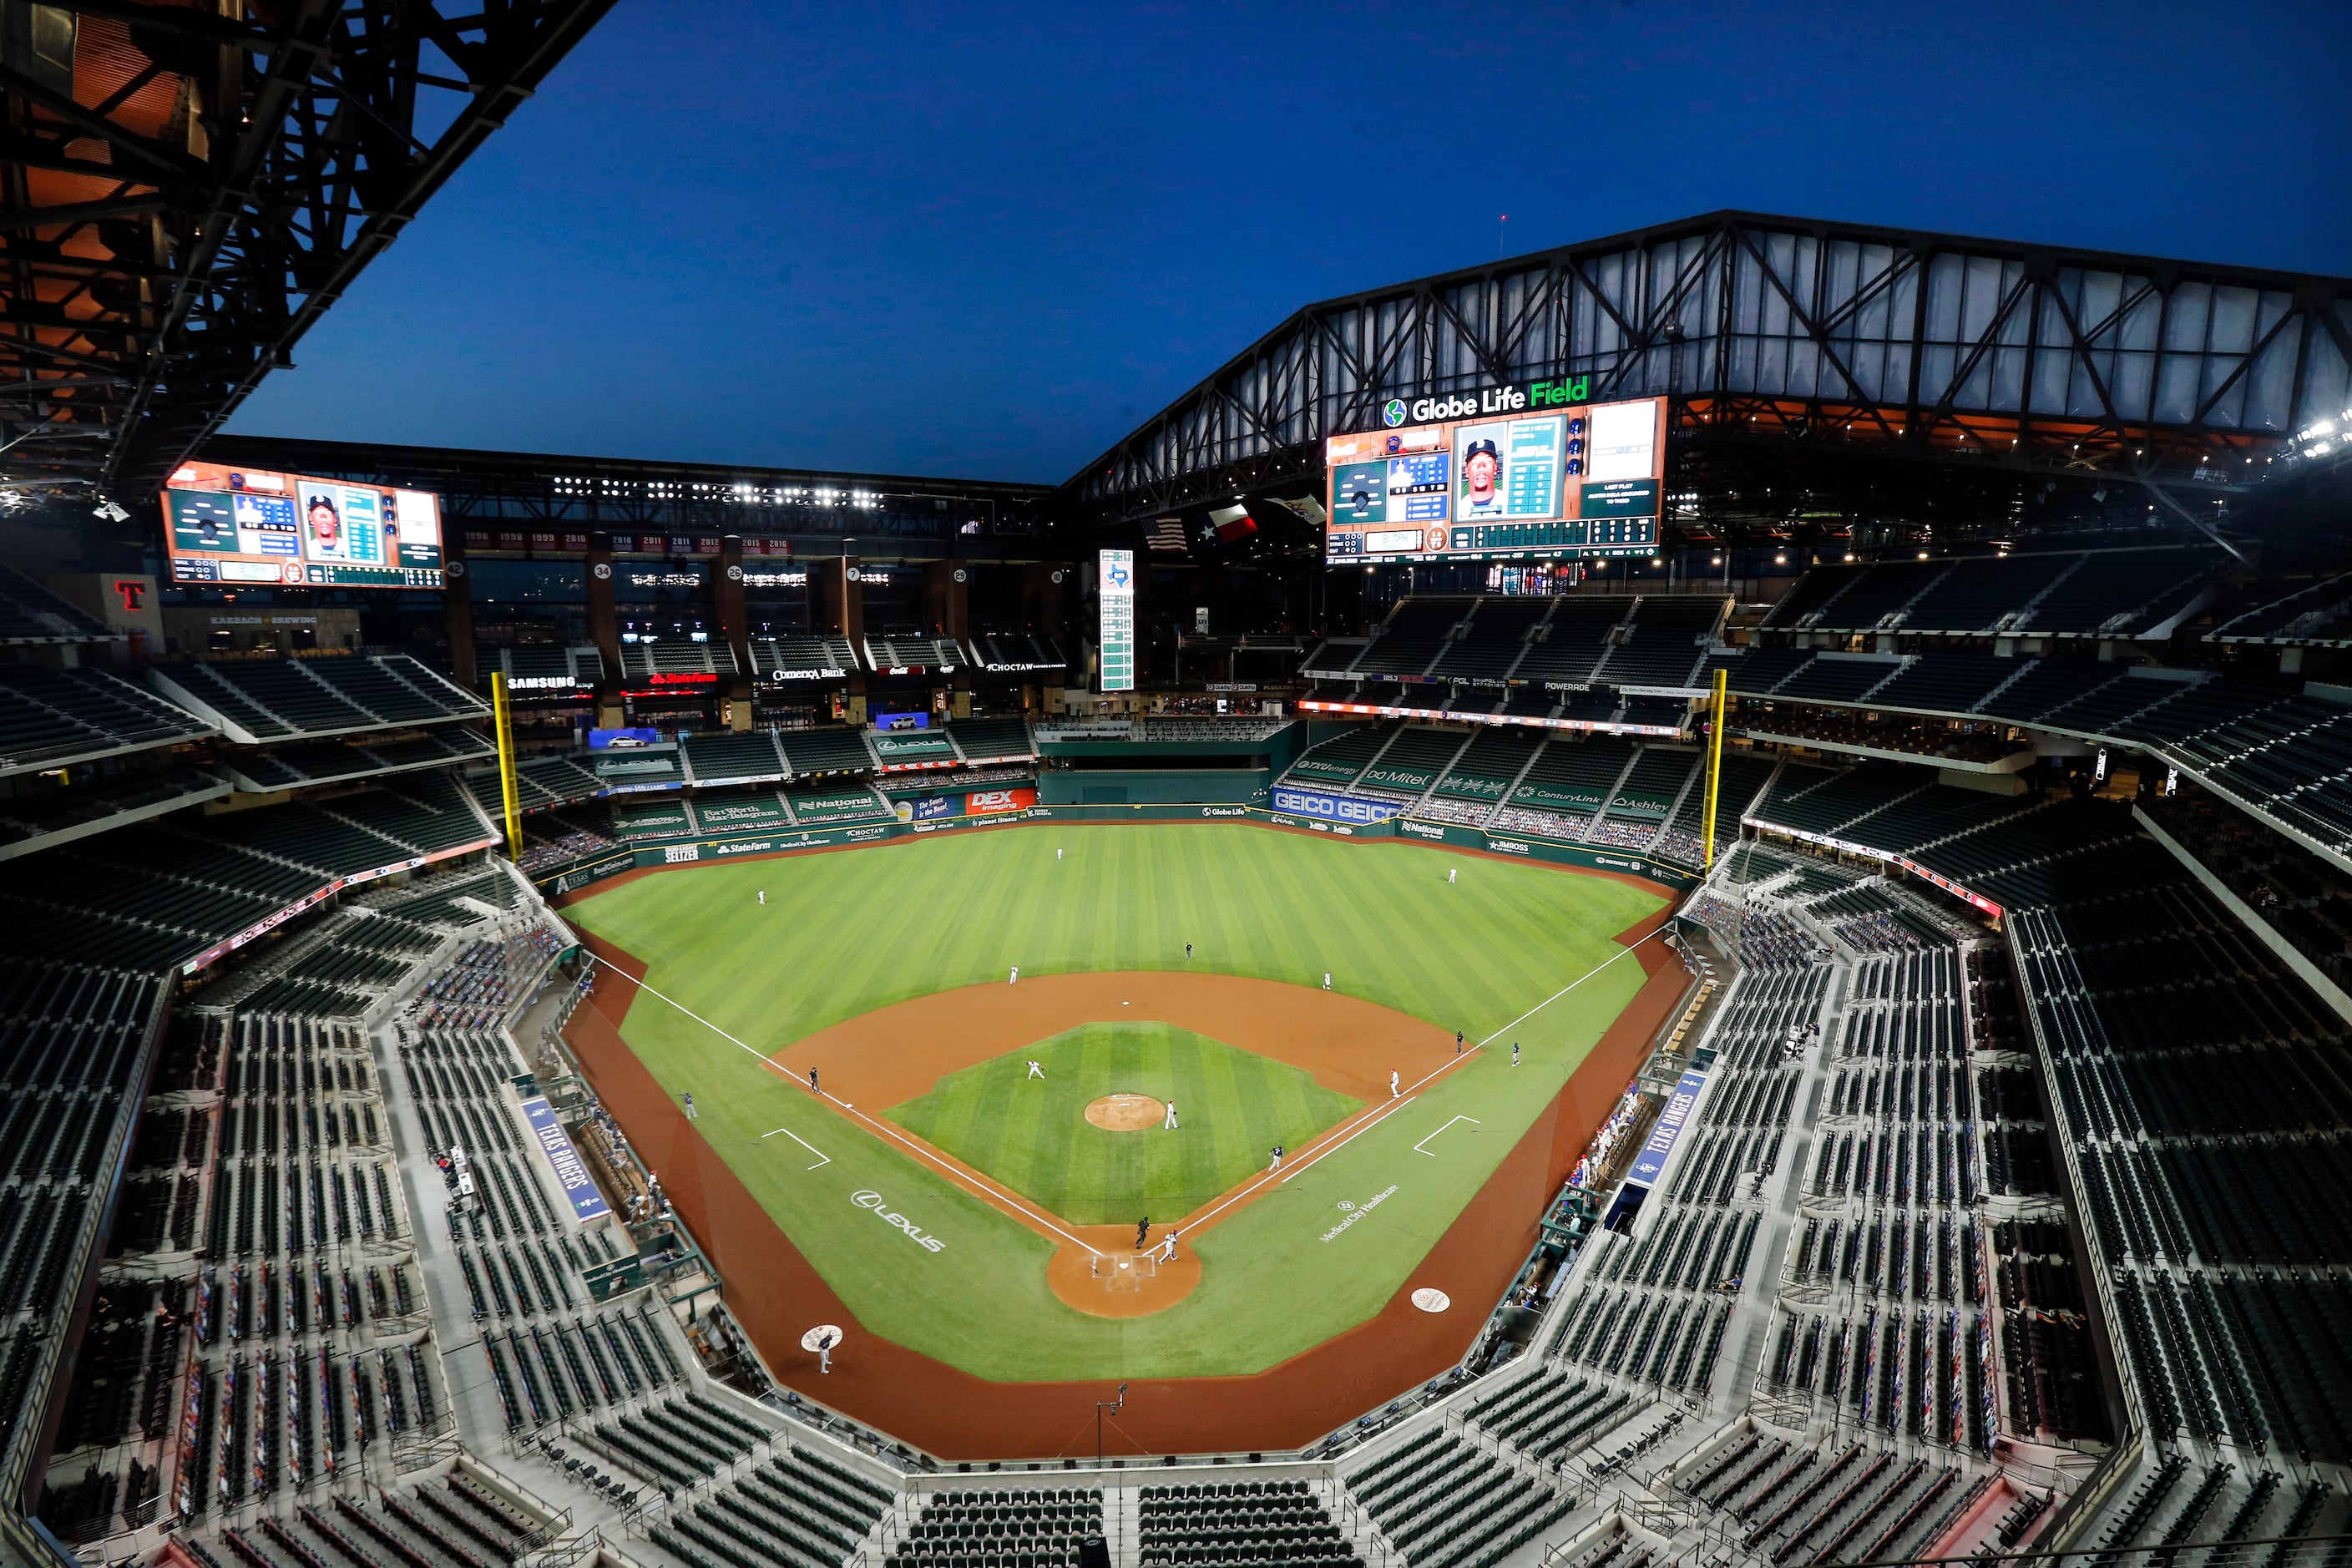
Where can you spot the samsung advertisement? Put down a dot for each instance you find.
(1518, 473)
(229, 525)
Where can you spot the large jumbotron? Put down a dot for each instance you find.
(1679, 900)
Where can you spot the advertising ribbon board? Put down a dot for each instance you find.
(571, 1170)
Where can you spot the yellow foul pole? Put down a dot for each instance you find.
(1717, 723)
(507, 791)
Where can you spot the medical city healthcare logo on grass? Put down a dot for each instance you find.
(1357, 1211)
(867, 1198)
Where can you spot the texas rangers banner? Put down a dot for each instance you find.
(1653, 1158)
(571, 1169)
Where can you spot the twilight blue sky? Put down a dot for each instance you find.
(987, 240)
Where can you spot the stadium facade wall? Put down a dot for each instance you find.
(1154, 786)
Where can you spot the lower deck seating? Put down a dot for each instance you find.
(1244, 1521)
(1041, 1529)
(1450, 1504)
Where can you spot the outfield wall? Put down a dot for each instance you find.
(1518, 845)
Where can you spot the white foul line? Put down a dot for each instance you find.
(1565, 990)
(822, 1157)
(1001, 1199)
(1471, 1119)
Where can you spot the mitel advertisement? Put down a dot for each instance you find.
(1505, 473)
(225, 524)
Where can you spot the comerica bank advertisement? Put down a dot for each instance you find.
(1502, 473)
(230, 525)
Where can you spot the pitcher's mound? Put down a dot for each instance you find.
(1126, 1112)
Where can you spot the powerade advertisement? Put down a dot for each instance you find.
(1505, 473)
(224, 525)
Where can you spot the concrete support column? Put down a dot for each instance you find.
(458, 610)
(726, 602)
(605, 629)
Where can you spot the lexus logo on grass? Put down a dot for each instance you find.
(867, 1198)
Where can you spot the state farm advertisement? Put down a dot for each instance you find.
(992, 802)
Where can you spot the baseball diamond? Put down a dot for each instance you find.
(884, 971)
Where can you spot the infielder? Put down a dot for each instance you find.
(1326, 980)
(1170, 1124)
(1016, 976)
(1393, 1083)
(1036, 1070)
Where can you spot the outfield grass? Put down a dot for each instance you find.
(844, 932)
(1031, 1134)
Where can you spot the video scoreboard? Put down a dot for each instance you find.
(230, 526)
(1516, 472)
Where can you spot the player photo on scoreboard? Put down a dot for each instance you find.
(325, 536)
(1506, 469)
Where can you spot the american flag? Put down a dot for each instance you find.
(1167, 535)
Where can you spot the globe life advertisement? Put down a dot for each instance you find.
(1527, 470)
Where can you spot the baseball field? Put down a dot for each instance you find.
(861, 1060)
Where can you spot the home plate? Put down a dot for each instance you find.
(817, 1336)
(1432, 1301)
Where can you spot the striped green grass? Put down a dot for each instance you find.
(843, 933)
(1031, 1134)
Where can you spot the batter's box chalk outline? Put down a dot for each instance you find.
(822, 1157)
(1432, 1152)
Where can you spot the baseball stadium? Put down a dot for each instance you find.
(1680, 900)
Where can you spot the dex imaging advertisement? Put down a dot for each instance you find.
(1507, 473)
(224, 525)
